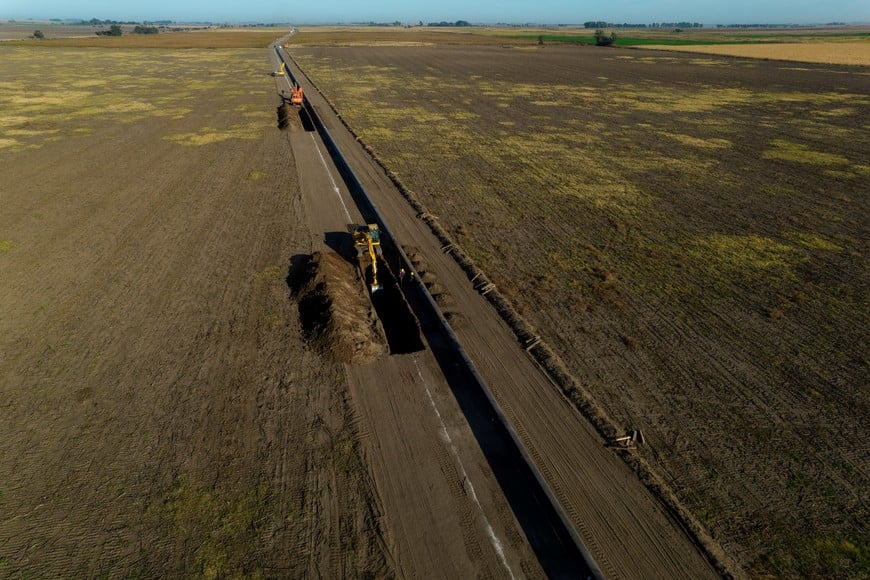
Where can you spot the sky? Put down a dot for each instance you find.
(708, 12)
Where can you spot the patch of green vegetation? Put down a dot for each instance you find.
(837, 112)
(814, 241)
(657, 99)
(217, 524)
(99, 88)
(210, 135)
(256, 175)
(5, 246)
(825, 555)
(271, 272)
(785, 150)
(712, 143)
(747, 256)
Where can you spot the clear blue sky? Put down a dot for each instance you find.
(709, 12)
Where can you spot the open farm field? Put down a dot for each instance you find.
(688, 232)
(85, 37)
(848, 45)
(161, 415)
(24, 30)
(847, 53)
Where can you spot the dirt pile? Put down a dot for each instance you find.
(338, 319)
(288, 117)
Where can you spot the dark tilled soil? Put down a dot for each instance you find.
(161, 415)
(688, 233)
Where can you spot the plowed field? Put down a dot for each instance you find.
(689, 233)
(161, 415)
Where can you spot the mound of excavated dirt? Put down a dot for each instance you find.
(289, 118)
(338, 319)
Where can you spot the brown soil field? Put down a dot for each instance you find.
(181, 344)
(687, 233)
(161, 415)
(848, 53)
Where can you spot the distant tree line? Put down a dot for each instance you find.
(458, 23)
(395, 23)
(98, 22)
(602, 24)
(145, 30)
(255, 25)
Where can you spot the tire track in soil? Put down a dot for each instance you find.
(467, 484)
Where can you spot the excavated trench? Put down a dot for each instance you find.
(400, 324)
(340, 321)
(291, 118)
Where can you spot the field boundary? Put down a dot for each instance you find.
(549, 362)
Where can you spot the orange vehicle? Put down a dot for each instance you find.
(296, 97)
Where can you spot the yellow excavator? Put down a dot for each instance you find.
(367, 239)
(280, 71)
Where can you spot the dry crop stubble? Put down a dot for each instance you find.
(848, 53)
(33, 100)
(666, 219)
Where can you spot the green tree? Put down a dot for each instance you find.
(114, 30)
(38, 34)
(604, 38)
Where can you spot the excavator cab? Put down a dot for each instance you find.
(296, 95)
(367, 239)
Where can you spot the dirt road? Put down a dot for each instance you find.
(444, 511)
(612, 511)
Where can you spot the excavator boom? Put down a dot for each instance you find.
(367, 239)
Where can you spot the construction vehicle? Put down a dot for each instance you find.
(296, 95)
(367, 239)
(280, 71)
